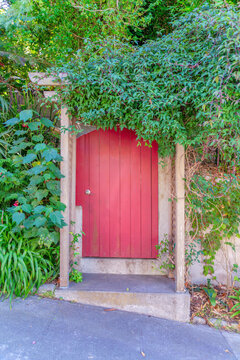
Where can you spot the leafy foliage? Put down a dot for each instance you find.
(56, 31)
(30, 177)
(182, 88)
(236, 308)
(211, 293)
(213, 207)
(74, 274)
(24, 265)
(53, 31)
(166, 254)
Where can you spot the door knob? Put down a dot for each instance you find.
(87, 192)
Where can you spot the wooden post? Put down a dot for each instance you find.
(65, 198)
(180, 219)
(66, 169)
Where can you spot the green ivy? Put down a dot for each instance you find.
(213, 208)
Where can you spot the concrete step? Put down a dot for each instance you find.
(143, 294)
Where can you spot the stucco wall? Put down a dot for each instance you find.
(225, 259)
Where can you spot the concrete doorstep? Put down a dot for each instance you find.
(143, 294)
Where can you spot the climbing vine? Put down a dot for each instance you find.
(213, 207)
(182, 88)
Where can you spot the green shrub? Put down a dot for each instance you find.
(30, 203)
(29, 178)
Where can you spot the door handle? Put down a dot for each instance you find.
(87, 192)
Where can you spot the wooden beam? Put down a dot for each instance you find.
(50, 95)
(44, 79)
(65, 199)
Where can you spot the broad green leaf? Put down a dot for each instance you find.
(55, 171)
(41, 194)
(35, 180)
(36, 170)
(33, 126)
(40, 147)
(38, 138)
(29, 158)
(12, 121)
(25, 115)
(19, 141)
(31, 190)
(54, 187)
(46, 122)
(31, 231)
(28, 224)
(54, 236)
(58, 204)
(21, 199)
(27, 208)
(51, 154)
(43, 232)
(48, 176)
(18, 148)
(40, 221)
(56, 217)
(39, 209)
(18, 217)
(49, 209)
(20, 132)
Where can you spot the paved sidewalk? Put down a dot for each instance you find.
(44, 329)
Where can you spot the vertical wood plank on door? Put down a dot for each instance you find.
(135, 199)
(82, 183)
(125, 195)
(115, 190)
(86, 202)
(104, 210)
(80, 172)
(94, 164)
(154, 217)
(146, 197)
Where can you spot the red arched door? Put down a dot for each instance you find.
(117, 187)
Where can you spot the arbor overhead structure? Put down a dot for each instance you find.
(167, 218)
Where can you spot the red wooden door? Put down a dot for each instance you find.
(120, 215)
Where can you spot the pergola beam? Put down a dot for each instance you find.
(43, 79)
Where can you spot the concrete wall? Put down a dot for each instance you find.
(225, 259)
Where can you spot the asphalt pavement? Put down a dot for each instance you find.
(45, 329)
